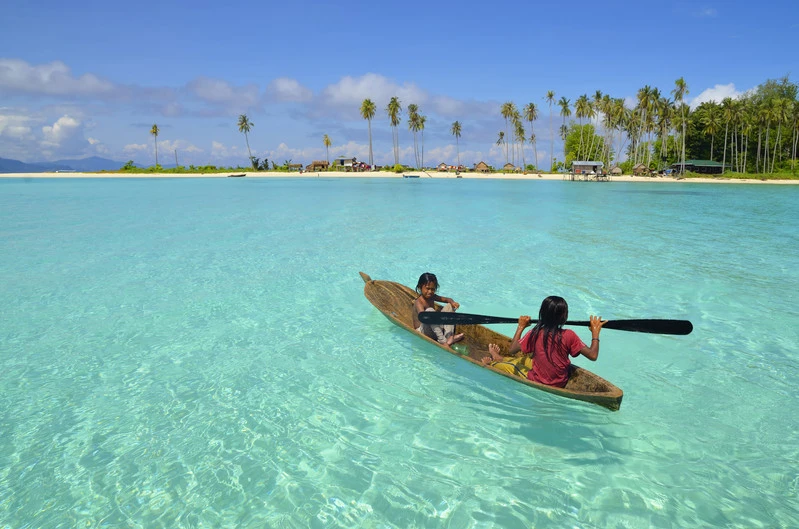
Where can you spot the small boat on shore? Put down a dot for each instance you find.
(410, 176)
(395, 301)
(239, 175)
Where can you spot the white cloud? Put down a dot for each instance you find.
(14, 126)
(63, 130)
(350, 92)
(284, 89)
(221, 92)
(135, 148)
(717, 94)
(54, 78)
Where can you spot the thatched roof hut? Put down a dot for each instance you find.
(317, 165)
(616, 171)
(482, 167)
(641, 170)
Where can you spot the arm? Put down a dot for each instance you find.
(592, 352)
(524, 322)
(451, 301)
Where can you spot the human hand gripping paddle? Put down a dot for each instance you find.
(653, 326)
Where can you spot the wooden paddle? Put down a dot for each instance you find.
(680, 327)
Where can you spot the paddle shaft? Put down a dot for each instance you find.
(653, 326)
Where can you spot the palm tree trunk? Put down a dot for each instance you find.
(724, 157)
(371, 156)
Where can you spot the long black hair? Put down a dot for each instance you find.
(425, 278)
(552, 315)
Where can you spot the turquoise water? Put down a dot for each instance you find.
(199, 353)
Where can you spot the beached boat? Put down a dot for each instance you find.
(236, 175)
(395, 301)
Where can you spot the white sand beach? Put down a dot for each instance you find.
(386, 174)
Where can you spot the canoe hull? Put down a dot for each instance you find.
(395, 301)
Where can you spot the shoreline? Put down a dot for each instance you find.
(386, 174)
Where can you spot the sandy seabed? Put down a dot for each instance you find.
(385, 174)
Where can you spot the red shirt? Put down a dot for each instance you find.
(552, 370)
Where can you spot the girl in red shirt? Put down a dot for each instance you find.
(550, 345)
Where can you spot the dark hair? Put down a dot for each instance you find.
(551, 316)
(425, 278)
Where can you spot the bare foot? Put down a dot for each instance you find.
(493, 350)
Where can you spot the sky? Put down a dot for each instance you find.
(90, 78)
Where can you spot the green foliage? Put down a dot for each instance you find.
(591, 147)
(129, 166)
(398, 168)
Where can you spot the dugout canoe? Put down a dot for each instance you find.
(395, 301)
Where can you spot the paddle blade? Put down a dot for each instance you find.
(678, 327)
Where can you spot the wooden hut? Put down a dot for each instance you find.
(317, 165)
(616, 171)
(509, 168)
(640, 170)
(442, 167)
(482, 167)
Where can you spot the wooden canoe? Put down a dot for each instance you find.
(395, 301)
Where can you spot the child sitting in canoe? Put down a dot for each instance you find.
(426, 288)
(547, 347)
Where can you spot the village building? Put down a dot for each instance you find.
(346, 164)
(641, 170)
(482, 167)
(317, 165)
(587, 167)
(700, 166)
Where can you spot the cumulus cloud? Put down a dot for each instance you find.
(221, 92)
(55, 78)
(288, 90)
(14, 126)
(350, 92)
(718, 93)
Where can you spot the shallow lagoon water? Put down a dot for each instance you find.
(199, 353)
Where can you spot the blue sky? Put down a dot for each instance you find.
(90, 78)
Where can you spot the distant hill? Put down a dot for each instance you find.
(91, 164)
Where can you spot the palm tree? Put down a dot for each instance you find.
(244, 126)
(518, 131)
(327, 143)
(394, 109)
(679, 92)
(581, 110)
(501, 139)
(422, 120)
(550, 97)
(413, 126)
(565, 112)
(456, 131)
(507, 110)
(727, 113)
(368, 109)
(154, 131)
(531, 114)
